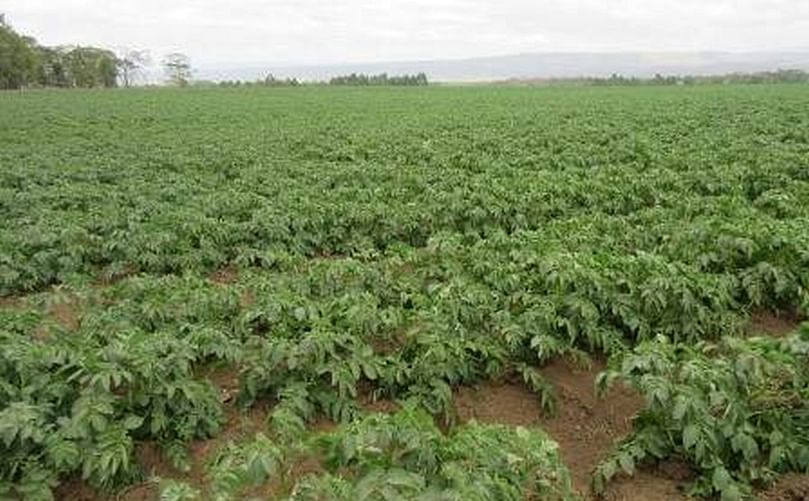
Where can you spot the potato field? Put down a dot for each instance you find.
(439, 293)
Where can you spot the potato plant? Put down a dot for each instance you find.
(735, 410)
(170, 258)
(399, 456)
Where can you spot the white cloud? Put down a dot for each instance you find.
(322, 31)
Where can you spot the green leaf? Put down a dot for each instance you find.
(627, 463)
(731, 493)
(721, 479)
(132, 422)
(690, 436)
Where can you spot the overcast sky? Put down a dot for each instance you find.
(332, 31)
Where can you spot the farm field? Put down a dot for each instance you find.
(474, 292)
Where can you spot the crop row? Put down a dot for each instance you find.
(332, 246)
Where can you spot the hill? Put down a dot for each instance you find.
(534, 66)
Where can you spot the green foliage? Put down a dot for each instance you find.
(24, 63)
(736, 410)
(381, 79)
(238, 466)
(18, 59)
(324, 248)
(404, 455)
(78, 402)
(177, 67)
(172, 490)
(407, 439)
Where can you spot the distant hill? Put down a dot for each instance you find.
(536, 66)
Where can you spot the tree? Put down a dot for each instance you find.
(177, 67)
(381, 79)
(130, 62)
(18, 59)
(53, 70)
(92, 67)
(24, 62)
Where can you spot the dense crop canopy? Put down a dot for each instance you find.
(168, 257)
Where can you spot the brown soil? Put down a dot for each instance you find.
(241, 426)
(66, 313)
(322, 425)
(224, 276)
(773, 324)
(141, 492)
(665, 482)
(247, 299)
(585, 426)
(229, 275)
(224, 378)
(238, 425)
(500, 403)
(113, 276)
(790, 487)
(324, 256)
(278, 488)
(382, 405)
(75, 489)
(366, 399)
(154, 463)
(11, 303)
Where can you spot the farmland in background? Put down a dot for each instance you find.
(431, 293)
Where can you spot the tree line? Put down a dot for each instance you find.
(269, 81)
(25, 63)
(361, 79)
(353, 79)
(761, 77)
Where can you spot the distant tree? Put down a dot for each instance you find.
(271, 81)
(18, 59)
(92, 67)
(177, 67)
(107, 67)
(53, 69)
(362, 79)
(24, 62)
(130, 63)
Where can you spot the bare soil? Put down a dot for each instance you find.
(664, 482)
(229, 275)
(66, 313)
(75, 489)
(110, 276)
(773, 324)
(238, 425)
(224, 276)
(225, 378)
(11, 303)
(366, 399)
(790, 487)
(585, 426)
